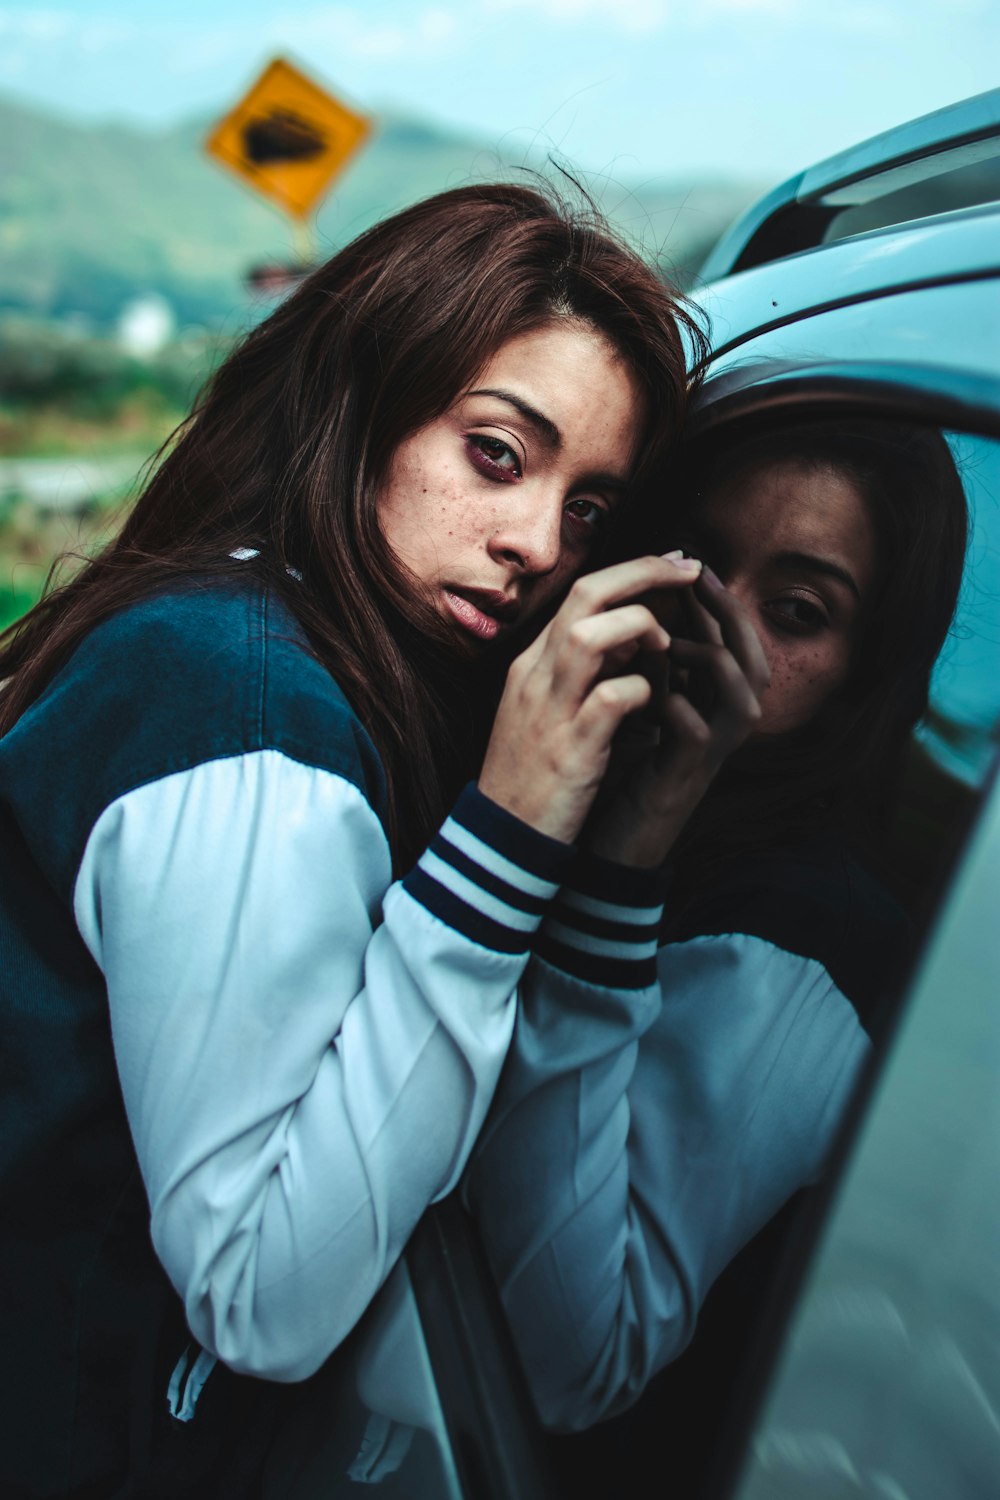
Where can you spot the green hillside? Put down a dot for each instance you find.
(92, 215)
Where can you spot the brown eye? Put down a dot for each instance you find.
(797, 615)
(589, 513)
(492, 456)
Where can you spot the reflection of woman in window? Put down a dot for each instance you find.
(637, 1142)
(240, 1057)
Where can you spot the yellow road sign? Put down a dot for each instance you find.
(288, 138)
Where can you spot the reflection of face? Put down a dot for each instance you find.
(495, 504)
(795, 544)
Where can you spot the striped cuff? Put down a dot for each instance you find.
(604, 926)
(489, 875)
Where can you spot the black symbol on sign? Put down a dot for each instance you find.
(281, 136)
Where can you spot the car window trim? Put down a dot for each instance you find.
(937, 394)
(496, 1438)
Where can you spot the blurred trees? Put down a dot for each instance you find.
(62, 391)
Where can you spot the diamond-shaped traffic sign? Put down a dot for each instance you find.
(288, 138)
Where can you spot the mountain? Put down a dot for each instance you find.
(92, 215)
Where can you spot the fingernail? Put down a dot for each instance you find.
(688, 564)
(711, 578)
(672, 556)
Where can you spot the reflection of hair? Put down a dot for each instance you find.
(287, 448)
(843, 767)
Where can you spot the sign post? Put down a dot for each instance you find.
(287, 139)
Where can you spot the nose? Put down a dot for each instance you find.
(530, 536)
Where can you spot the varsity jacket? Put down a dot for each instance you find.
(238, 1060)
(631, 1153)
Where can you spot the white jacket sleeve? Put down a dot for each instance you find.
(635, 1146)
(305, 1057)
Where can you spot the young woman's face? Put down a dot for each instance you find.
(795, 544)
(495, 505)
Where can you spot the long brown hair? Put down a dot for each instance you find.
(287, 447)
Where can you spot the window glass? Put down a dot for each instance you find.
(890, 1383)
(960, 178)
(684, 1163)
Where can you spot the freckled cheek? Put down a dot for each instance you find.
(460, 514)
(801, 682)
(437, 509)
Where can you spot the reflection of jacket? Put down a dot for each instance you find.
(637, 1143)
(195, 865)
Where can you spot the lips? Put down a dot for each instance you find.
(482, 612)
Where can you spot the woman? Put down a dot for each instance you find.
(635, 1148)
(240, 1059)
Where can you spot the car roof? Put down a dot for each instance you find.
(947, 144)
(935, 251)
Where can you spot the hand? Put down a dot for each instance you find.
(567, 694)
(666, 758)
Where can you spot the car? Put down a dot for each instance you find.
(863, 1353)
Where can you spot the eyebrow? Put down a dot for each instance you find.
(547, 430)
(820, 565)
(701, 532)
(550, 434)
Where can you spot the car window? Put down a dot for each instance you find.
(960, 178)
(699, 1407)
(888, 1384)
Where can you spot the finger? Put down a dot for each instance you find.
(736, 629)
(732, 710)
(606, 707)
(657, 670)
(694, 677)
(599, 645)
(702, 625)
(683, 731)
(596, 592)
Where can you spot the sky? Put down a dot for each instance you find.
(636, 88)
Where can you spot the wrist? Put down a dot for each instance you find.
(629, 830)
(558, 815)
(642, 848)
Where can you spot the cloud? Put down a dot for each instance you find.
(638, 17)
(35, 25)
(335, 30)
(13, 64)
(183, 46)
(756, 7)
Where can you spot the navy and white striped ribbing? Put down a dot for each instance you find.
(603, 927)
(488, 875)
